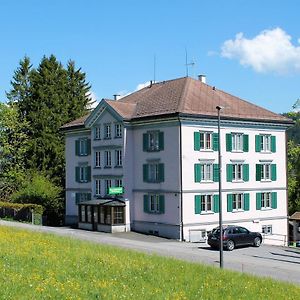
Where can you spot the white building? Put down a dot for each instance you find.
(160, 143)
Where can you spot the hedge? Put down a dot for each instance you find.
(21, 212)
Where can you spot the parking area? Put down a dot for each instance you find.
(280, 263)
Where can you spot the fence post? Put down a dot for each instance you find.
(32, 216)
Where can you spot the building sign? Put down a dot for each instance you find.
(115, 190)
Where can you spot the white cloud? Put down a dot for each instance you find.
(93, 100)
(140, 86)
(269, 51)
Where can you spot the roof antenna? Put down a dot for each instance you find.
(192, 63)
(154, 67)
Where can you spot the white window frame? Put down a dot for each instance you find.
(83, 173)
(153, 140)
(206, 172)
(237, 201)
(97, 159)
(97, 133)
(118, 154)
(107, 157)
(265, 142)
(266, 200)
(83, 197)
(265, 172)
(154, 203)
(83, 147)
(97, 187)
(206, 202)
(118, 130)
(206, 140)
(119, 183)
(153, 172)
(267, 229)
(237, 172)
(107, 131)
(237, 142)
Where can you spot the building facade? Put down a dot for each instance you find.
(161, 145)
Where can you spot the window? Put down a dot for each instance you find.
(83, 147)
(97, 159)
(118, 213)
(205, 140)
(154, 203)
(153, 172)
(88, 214)
(265, 143)
(107, 185)
(119, 182)
(118, 130)
(237, 173)
(82, 197)
(97, 133)
(266, 229)
(107, 131)
(107, 159)
(82, 213)
(265, 200)
(206, 203)
(237, 202)
(153, 141)
(83, 174)
(266, 172)
(118, 158)
(237, 141)
(206, 172)
(97, 187)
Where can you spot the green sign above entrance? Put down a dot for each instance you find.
(115, 190)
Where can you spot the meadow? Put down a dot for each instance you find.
(43, 266)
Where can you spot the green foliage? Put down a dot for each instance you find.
(294, 131)
(43, 266)
(38, 189)
(293, 176)
(37, 209)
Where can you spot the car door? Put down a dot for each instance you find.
(245, 235)
(236, 236)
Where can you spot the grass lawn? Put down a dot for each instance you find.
(43, 266)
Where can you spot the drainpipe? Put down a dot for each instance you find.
(180, 188)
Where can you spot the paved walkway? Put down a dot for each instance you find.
(280, 263)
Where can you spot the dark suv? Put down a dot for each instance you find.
(234, 236)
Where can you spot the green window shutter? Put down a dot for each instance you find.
(145, 141)
(146, 204)
(77, 197)
(88, 174)
(273, 172)
(89, 196)
(229, 203)
(273, 143)
(258, 172)
(77, 174)
(145, 172)
(216, 172)
(216, 203)
(246, 201)
(215, 141)
(257, 143)
(161, 140)
(245, 172)
(245, 143)
(258, 201)
(229, 172)
(197, 172)
(162, 204)
(161, 172)
(77, 147)
(274, 200)
(196, 141)
(197, 204)
(228, 142)
(88, 146)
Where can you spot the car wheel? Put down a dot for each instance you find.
(230, 245)
(257, 242)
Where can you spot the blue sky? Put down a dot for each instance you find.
(250, 49)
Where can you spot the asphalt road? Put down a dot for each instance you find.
(281, 263)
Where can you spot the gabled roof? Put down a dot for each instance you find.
(295, 216)
(76, 123)
(191, 97)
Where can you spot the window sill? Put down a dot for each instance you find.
(206, 213)
(238, 181)
(265, 152)
(107, 167)
(237, 151)
(107, 138)
(153, 150)
(266, 180)
(266, 208)
(118, 167)
(237, 210)
(207, 181)
(118, 137)
(97, 167)
(97, 139)
(206, 150)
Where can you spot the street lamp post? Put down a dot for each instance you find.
(220, 189)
